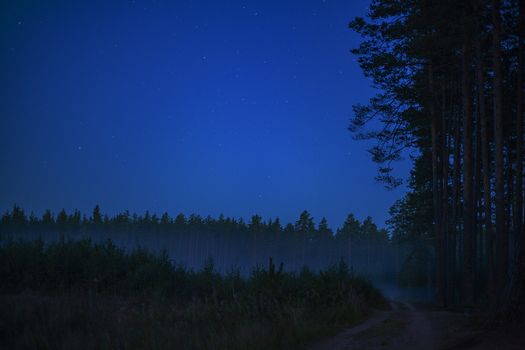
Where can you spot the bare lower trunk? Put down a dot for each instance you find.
(518, 191)
(518, 288)
(435, 191)
(445, 220)
(468, 203)
(455, 205)
(485, 156)
(501, 227)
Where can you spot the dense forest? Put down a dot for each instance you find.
(233, 244)
(450, 76)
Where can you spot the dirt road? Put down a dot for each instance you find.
(408, 326)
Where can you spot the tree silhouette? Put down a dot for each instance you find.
(96, 217)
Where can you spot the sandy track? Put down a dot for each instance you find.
(405, 327)
(345, 338)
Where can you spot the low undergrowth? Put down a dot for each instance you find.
(77, 294)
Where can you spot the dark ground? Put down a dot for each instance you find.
(421, 326)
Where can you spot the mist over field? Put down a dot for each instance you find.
(232, 245)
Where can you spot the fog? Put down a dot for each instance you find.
(401, 270)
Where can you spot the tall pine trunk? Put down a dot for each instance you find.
(468, 198)
(440, 293)
(453, 241)
(519, 125)
(445, 219)
(517, 303)
(501, 227)
(485, 160)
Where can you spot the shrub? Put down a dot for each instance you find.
(139, 299)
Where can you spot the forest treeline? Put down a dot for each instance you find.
(231, 243)
(450, 76)
(17, 219)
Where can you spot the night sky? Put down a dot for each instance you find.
(239, 107)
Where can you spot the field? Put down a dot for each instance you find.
(78, 294)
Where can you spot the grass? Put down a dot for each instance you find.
(77, 294)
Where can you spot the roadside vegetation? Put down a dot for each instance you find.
(80, 294)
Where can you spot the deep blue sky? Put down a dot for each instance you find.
(238, 107)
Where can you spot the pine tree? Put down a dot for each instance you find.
(96, 217)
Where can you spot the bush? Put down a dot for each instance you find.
(81, 294)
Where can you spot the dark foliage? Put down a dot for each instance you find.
(85, 295)
(231, 243)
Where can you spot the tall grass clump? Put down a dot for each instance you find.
(78, 294)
